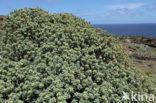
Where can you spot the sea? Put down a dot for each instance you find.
(147, 30)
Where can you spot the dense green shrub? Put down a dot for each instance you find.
(49, 58)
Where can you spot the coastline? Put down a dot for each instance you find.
(144, 29)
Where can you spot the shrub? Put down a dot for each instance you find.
(127, 40)
(49, 58)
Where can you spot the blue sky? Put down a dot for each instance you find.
(94, 11)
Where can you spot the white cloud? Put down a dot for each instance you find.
(151, 6)
(123, 13)
(126, 6)
(130, 10)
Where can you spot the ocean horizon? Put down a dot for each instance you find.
(144, 29)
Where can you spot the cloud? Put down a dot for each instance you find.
(123, 12)
(126, 6)
(151, 6)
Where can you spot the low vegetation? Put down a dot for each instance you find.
(140, 40)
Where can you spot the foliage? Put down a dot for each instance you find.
(140, 49)
(49, 58)
(126, 40)
(2, 21)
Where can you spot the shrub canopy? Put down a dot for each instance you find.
(49, 58)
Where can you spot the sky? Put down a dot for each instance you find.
(93, 11)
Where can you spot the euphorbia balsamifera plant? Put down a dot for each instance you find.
(60, 58)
